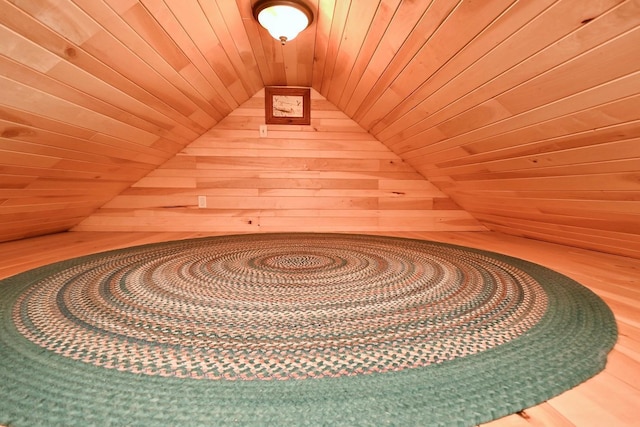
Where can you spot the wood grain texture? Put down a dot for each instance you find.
(609, 399)
(329, 176)
(524, 114)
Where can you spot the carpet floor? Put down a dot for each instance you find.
(293, 329)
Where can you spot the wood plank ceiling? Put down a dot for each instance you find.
(526, 113)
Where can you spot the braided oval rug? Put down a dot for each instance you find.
(293, 329)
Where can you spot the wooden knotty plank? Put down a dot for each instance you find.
(581, 238)
(294, 168)
(357, 24)
(410, 28)
(324, 18)
(601, 124)
(382, 19)
(338, 22)
(491, 38)
(450, 36)
(605, 400)
(594, 155)
(20, 96)
(195, 24)
(599, 95)
(85, 55)
(547, 41)
(212, 94)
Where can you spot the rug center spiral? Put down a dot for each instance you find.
(273, 307)
(298, 261)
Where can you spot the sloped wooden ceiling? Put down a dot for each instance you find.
(526, 113)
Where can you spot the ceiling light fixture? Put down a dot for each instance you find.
(284, 19)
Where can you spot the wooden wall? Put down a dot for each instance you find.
(94, 95)
(329, 176)
(525, 113)
(528, 116)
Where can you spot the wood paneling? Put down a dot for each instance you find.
(329, 176)
(526, 114)
(95, 95)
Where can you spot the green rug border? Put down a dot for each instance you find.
(578, 326)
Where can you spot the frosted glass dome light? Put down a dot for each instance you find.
(283, 19)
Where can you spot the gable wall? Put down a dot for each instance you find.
(329, 176)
